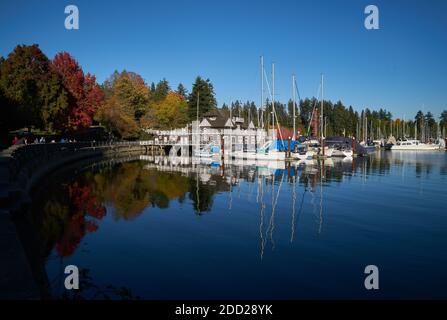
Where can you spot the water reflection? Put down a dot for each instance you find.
(74, 210)
(270, 190)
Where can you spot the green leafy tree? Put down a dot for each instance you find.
(23, 78)
(169, 113)
(126, 103)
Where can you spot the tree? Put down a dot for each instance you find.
(420, 120)
(443, 122)
(127, 102)
(23, 77)
(87, 95)
(168, 113)
(118, 118)
(340, 119)
(133, 92)
(7, 109)
(202, 91)
(431, 124)
(161, 90)
(56, 102)
(181, 90)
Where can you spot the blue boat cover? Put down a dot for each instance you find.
(283, 145)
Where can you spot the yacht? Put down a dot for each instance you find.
(342, 152)
(414, 145)
(303, 152)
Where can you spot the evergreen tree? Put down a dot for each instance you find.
(443, 122)
(420, 121)
(181, 90)
(202, 91)
(161, 90)
(431, 124)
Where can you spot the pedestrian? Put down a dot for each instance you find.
(15, 140)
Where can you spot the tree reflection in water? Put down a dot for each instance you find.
(74, 210)
(70, 211)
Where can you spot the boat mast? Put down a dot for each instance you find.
(262, 91)
(197, 114)
(366, 128)
(416, 130)
(294, 106)
(273, 101)
(322, 113)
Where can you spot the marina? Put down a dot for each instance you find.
(230, 158)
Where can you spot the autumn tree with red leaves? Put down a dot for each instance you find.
(86, 95)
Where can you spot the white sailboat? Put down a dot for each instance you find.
(325, 152)
(269, 150)
(301, 151)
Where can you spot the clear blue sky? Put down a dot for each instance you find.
(400, 67)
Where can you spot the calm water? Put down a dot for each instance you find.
(164, 229)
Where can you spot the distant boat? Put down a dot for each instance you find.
(342, 146)
(270, 151)
(414, 145)
(315, 146)
(303, 152)
(368, 147)
(208, 151)
(342, 152)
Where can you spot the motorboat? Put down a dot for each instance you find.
(303, 152)
(207, 151)
(342, 151)
(414, 145)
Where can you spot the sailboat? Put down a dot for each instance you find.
(301, 151)
(324, 151)
(271, 149)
